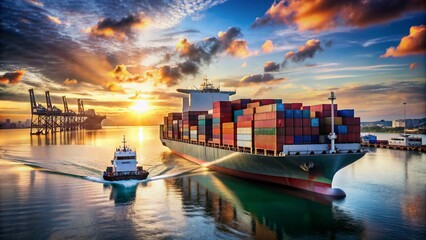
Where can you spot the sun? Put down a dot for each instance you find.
(140, 106)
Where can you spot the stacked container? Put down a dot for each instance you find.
(245, 129)
(193, 134)
(352, 124)
(166, 122)
(222, 112)
(172, 132)
(190, 118)
(205, 128)
(229, 134)
(269, 128)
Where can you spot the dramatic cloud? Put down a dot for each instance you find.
(413, 66)
(113, 87)
(167, 75)
(70, 82)
(120, 74)
(111, 28)
(259, 78)
(268, 46)
(326, 14)
(271, 67)
(414, 43)
(306, 51)
(238, 48)
(12, 77)
(188, 68)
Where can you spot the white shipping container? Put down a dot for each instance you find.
(247, 130)
(244, 137)
(247, 144)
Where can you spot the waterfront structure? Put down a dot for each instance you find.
(51, 119)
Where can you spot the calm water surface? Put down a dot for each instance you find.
(51, 188)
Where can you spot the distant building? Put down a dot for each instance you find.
(7, 124)
(27, 123)
(398, 123)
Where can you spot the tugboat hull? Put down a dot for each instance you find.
(140, 176)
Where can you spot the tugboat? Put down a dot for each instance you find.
(124, 165)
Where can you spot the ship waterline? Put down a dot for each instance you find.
(307, 172)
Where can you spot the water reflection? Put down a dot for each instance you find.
(122, 195)
(263, 211)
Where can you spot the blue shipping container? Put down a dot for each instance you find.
(297, 114)
(237, 113)
(315, 122)
(342, 129)
(288, 113)
(306, 113)
(298, 139)
(315, 139)
(346, 113)
(306, 139)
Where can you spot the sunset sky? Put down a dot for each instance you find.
(127, 58)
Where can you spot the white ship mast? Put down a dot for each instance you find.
(332, 136)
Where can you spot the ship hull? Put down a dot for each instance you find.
(289, 170)
(141, 176)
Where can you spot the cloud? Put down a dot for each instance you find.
(327, 14)
(188, 68)
(413, 66)
(12, 77)
(70, 82)
(306, 51)
(111, 28)
(167, 75)
(54, 19)
(137, 96)
(120, 74)
(267, 47)
(244, 64)
(114, 87)
(238, 48)
(271, 67)
(414, 43)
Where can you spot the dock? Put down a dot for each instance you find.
(396, 147)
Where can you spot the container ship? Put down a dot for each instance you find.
(93, 121)
(264, 139)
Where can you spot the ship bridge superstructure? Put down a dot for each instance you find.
(201, 99)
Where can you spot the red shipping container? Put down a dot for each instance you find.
(289, 140)
(289, 122)
(306, 131)
(347, 121)
(306, 122)
(221, 104)
(222, 115)
(357, 129)
(306, 108)
(217, 131)
(269, 123)
(297, 131)
(315, 131)
(296, 106)
(357, 121)
(351, 129)
(245, 124)
(289, 131)
(245, 118)
(342, 138)
(297, 122)
(287, 106)
(228, 142)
